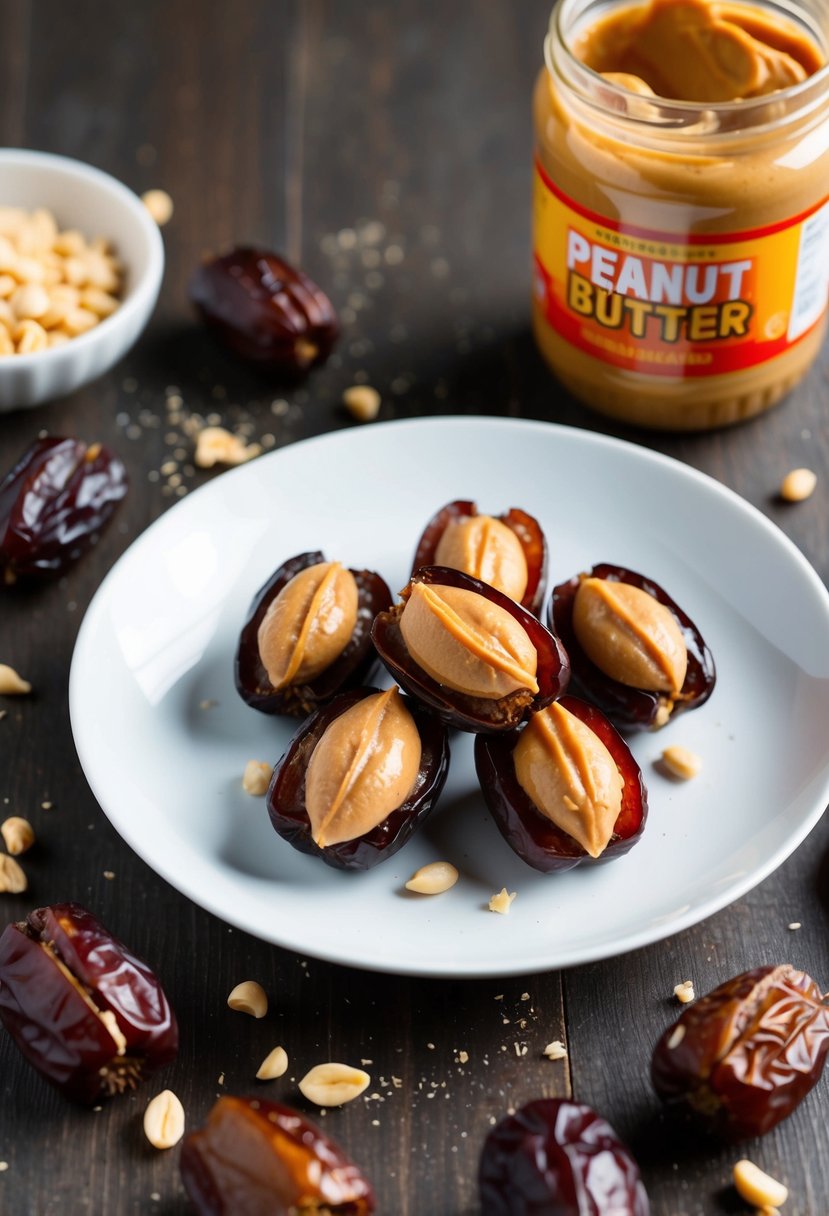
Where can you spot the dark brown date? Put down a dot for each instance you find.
(470, 713)
(534, 837)
(744, 1056)
(84, 1011)
(558, 1158)
(631, 708)
(258, 1158)
(265, 310)
(286, 795)
(352, 669)
(526, 528)
(53, 505)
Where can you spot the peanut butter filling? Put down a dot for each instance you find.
(696, 50)
(571, 777)
(629, 635)
(363, 768)
(467, 643)
(309, 624)
(487, 549)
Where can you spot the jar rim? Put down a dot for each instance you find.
(674, 115)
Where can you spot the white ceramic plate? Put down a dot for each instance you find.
(159, 638)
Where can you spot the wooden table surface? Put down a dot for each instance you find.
(385, 147)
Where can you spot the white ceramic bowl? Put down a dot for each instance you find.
(97, 205)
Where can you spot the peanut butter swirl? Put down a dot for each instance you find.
(629, 635)
(487, 549)
(309, 624)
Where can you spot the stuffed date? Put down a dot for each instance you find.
(358, 778)
(259, 1158)
(308, 635)
(509, 552)
(744, 1056)
(633, 652)
(558, 1158)
(565, 790)
(84, 1011)
(474, 656)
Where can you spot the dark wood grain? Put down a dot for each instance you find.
(386, 147)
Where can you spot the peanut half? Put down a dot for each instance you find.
(758, 1188)
(12, 878)
(433, 879)
(18, 834)
(164, 1120)
(333, 1084)
(249, 997)
(11, 684)
(275, 1064)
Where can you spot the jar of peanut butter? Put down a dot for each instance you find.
(681, 204)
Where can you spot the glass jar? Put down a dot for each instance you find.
(681, 249)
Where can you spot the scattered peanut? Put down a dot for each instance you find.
(256, 778)
(12, 879)
(215, 445)
(684, 992)
(159, 204)
(333, 1084)
(11, 684)
(433, 879)
(164, 1120)
(362, 402)
(798, 485)
(502, 901)
(677, 1036)
(555, 1050)
(274, 1065)
(249, 997)
(18, 834)
(758, 1188)
(681, 762)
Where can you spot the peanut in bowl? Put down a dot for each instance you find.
(80, 249)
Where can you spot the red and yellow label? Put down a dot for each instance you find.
(669, 305)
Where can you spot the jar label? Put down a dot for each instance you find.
(677, 305)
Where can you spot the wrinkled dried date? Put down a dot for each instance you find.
(534, 837)
(351, 669)
(265, 309)
(558, 1158)
(461, 710)
(744, 1056)
(526, 528)
(53, 504)
(264, 1159)
(83, 1010)
(631, 707)
(286, 796)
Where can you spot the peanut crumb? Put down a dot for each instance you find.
(502, 901)
(682, 763)
(463, 1057)
(4, 1165)
(215, 445)
(794, 925)
(11, 684)
(684, 992)
(798, 485)
(12, 878)
(555, 1050)
(18, 834)
(362, 402)
(110, 874)
(208, 704)
(256, 778)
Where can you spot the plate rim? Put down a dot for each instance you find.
(649, 934)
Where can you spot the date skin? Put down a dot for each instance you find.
(747, 1054)
(53, 504)
(631, 708)
(558, 1158)
(475, 714)
(353, 667)
(65, 983)
(526, 528)
(265, 310)
(258, 1158)
(533, 836)
(286, 795)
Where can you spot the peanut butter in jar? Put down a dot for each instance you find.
(681, 206)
